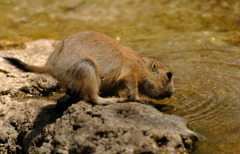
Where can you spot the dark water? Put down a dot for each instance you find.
(198, 40)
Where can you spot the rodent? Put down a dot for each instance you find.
(90, 64)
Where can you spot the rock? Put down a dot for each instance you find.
(18, 83)
(3, 137)
(16, 116)
(40, 125)
(116, 128)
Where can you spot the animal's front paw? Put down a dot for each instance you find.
(141, 101)
(136, 99)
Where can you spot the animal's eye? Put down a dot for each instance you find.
(154, 67)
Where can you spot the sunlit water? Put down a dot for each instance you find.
(199, 41)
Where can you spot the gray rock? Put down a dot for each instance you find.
(117, 128)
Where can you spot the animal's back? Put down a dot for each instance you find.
(105, 51)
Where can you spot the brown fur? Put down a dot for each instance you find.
(90, 62)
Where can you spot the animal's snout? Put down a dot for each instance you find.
(167, 94)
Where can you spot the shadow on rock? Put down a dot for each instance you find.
(47, 116)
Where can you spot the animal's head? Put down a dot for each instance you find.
(158, 83)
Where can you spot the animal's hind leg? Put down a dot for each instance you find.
(105, 101)
(84, 80)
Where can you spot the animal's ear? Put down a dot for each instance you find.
(154, 67)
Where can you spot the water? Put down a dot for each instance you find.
(198, 40)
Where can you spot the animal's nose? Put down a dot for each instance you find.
(169, 75)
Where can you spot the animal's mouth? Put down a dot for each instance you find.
(165, 95)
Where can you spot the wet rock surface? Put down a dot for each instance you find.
(40, 125)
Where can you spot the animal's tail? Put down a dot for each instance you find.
(26, 67)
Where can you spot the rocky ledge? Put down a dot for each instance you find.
(33, 124)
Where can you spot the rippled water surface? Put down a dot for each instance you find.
(198, 40)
